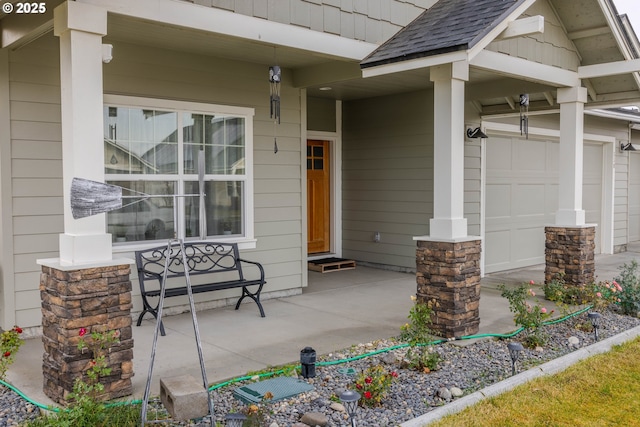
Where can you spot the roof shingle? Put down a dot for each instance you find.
(448, 26)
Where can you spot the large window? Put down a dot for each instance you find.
(151, 148)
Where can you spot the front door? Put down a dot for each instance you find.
(318, 191)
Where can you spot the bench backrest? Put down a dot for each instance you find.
(202, 258)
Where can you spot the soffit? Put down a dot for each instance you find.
(596, 48)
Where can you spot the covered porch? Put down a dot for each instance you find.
(336, 311)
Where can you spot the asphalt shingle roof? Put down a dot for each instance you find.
(448, 26)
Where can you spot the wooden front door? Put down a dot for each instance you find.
(318, 191)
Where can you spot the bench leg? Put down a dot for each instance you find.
(154, 313)
(254, 296)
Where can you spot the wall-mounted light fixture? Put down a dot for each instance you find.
(107, 53)
(627, 147)
(476, 133)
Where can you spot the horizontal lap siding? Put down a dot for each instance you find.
(387, 177)
(150, 72)
(36, 163)
(142, 71)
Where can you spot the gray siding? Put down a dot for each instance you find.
(142, 71)
(387, 177)
(373, 21)
(36, 167)
(553, 47)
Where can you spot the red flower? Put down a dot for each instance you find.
(394, 374)
(7, 354)
(368, 380)
(367, 395)
(359, 386)
(82, 332)
(18, 329)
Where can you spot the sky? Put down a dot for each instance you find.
(632, 9)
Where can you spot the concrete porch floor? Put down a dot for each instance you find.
(335, 311)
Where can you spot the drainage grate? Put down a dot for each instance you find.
(280, 388)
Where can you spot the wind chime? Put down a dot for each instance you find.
(524, 110)
(274, 100)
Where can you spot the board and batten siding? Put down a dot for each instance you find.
(36, 162)
(365, 20)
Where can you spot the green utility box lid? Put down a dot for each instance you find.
(280, 388)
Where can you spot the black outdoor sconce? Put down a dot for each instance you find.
(475, 133)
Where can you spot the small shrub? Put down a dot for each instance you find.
(424, 359)
(98, 344)
(374, 384)
(630, 294)
(418, 329)
(528, 316)
(10, 343)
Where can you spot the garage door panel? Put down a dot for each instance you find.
(521, 194)
(498, 200)
(532, 252)
(499, 155)
(500, 244)
(530, 156)
(634, 197)
(530, 199)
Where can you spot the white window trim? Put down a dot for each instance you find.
(247, 241)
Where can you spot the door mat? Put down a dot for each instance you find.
(327, 265)
(278, 388)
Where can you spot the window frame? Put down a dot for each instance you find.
(246, 241)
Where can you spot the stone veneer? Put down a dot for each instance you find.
(570, 250)
(449, 274)
(97, 299)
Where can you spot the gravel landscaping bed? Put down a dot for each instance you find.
(465, 367)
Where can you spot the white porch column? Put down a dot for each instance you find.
(80, 28)
(571, 100)
(448, 220)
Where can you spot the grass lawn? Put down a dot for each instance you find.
(603, 390)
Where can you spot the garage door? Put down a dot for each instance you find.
(634, 197)
(522, 197)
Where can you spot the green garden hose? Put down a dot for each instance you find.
(327, 363)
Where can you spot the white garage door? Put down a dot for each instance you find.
(522, 197)
(634, 196)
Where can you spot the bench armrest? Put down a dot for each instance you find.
(257, 264)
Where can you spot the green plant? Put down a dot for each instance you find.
(630, 294)
(10, 343)
(423, 358)
(527, 315)
(125, 415)
(603, 294)
(97, 344)
(374, 384)
(418, 329)
(256, 416)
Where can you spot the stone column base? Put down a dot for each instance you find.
(97, 299)
(449, 274)
(570, 251)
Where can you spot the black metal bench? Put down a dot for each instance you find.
(221, 261)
